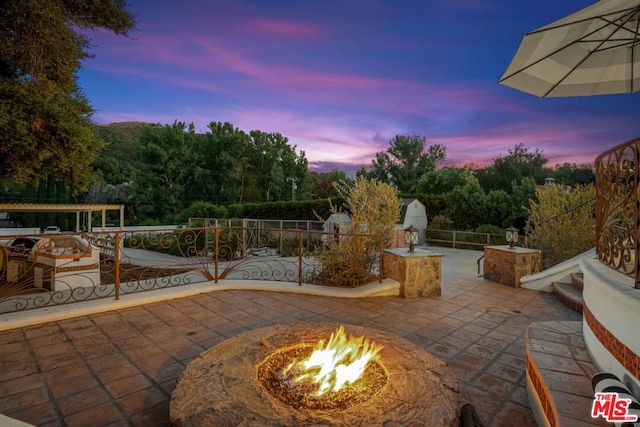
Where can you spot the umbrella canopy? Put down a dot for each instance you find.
(594, 51)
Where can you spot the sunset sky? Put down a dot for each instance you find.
(340, 78)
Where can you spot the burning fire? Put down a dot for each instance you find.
(342, 361)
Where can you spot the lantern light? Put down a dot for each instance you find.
(411, 237)
(512, 236)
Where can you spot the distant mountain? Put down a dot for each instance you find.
(116, 161)
(119, 136)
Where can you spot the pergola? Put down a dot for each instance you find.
(77, 209)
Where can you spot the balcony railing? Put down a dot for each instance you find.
(618, 208)
(45, 270)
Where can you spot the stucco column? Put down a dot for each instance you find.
(419, 272)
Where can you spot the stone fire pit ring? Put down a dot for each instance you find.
(220, 387)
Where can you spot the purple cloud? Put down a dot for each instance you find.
(340, 79)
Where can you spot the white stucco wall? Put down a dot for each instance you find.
(615, 303)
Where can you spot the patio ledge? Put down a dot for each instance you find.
(387, 287)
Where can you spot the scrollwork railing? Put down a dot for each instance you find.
(45, 270)
(618, 208)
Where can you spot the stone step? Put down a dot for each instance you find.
(559, 372)
(568, 295)
(577, 280)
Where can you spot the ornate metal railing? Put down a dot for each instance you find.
(45, 270)
(618, 208)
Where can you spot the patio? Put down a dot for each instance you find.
(120, 367)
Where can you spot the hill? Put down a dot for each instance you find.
(116, 162)
(120, 138)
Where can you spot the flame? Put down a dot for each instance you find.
(342, 361)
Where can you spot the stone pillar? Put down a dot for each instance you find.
(418, 272)
(507, 265)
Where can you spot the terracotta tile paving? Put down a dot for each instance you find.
(60, 389)
(512, 414)
(119, 368)
(559, 371)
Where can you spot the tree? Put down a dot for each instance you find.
(114, 163)
(519, 163)
(466, 206)
(277, 166)
(223, 163)
(522, 194)
(236, 167)
(47, 190)
(45, 124)
(168, 157)
(498, 206)
(561, 223)
(444, 180)
(405, 161)
(374, 209)
(324, 187)
(571, 174)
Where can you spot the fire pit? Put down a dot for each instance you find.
(278, 376)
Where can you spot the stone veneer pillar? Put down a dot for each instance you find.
(507, 265)
(418, 272)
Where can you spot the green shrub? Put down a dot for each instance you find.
(284, 210)
(191, 243)
(490, 229)
(289, 247)
(374, 208)
(201, 209)
(344, 269)
(164, 243)
(440, 222)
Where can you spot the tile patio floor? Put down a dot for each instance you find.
(119, 368)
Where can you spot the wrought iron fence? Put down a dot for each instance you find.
(45, 270)
(618, 208)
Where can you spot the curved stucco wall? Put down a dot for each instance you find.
(611, 322)
(543, 280)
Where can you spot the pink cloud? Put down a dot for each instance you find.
(202, 63)
(282, 28)
(323, 139)
(556, 140)
(207, 54)
(329, 109)
(329, 144)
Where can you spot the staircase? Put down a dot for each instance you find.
(569, 291)
(559, 368)
(559, 373)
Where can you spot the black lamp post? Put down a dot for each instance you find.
(512, 236)
(411, 237)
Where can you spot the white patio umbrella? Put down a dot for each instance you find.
(594, 51)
